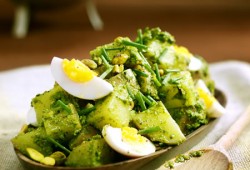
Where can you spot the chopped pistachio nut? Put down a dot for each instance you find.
(118, 68)
(48, 161)
(90, 63)
(120, 58)
(35, 155)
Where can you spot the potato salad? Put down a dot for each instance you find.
(129, 99)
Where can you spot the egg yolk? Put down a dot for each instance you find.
(182, 50)
(131, 135)
(208, 99)
(77, 71)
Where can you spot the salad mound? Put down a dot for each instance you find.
(130, 99)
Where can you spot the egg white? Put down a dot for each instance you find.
(94, 89)
(195, 64)
(113, 136)
(31, 117)
(216, 109)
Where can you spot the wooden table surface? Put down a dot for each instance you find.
(215, 34)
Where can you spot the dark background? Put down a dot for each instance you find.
(218, 30)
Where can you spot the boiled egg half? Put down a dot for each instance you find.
(127, 141)
(214, 108)
(195, 63)
(78, 80)
(31, 117)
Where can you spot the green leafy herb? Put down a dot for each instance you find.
(63, 106)
(152, 100)
(172, 70)
(105, 62)
(113, 49)
(139, 32)
(140, 73)
(140, 100)
(130, 92)
(104, 53)
(134, 44)
(109, 67)
(148, 67)
(148, 100)
(157, 73)
(145, 63)
(174, 80)
(149, 130)
(87, 110)
(58, 145)
(106, 72)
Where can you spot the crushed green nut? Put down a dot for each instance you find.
(48, 161)
(34, 154)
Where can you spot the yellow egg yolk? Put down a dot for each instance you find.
(77, 71)
(182, 50)
(131, 135)
(208, 99)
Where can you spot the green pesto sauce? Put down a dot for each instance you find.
(182, 158)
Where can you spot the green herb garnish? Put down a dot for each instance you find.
(106, 72)
(63, 106)
(109, 67)
(130, 92)
(140, 101)
(157, 73)
(134, 44)
(140, 73)
(105, 62)
(58, 145)
(174, 80)
(87, 110)
(149, 130)
(113, 49)
(105, 54)
(139, 32)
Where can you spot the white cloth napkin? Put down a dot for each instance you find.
(19, 86)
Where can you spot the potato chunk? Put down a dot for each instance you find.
(91, 153)
(115, 109)
(63, 126)
(35, 139)
(158, 116)
(178, 90)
